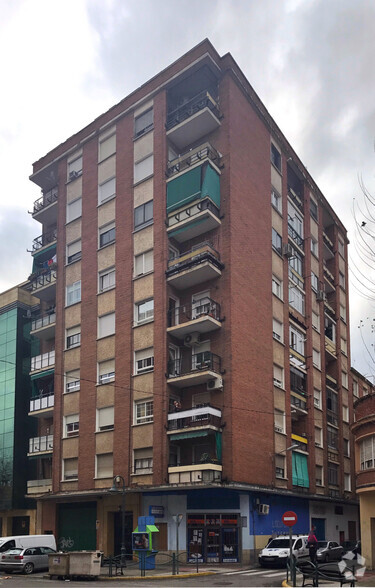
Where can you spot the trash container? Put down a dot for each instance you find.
(58, 564)
(84, 563)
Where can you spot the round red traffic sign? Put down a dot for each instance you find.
(289, 518)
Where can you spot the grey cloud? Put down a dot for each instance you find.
(17, 233)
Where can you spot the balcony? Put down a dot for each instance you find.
(195, 474)
(296, 238)
(300, 441)
(44, 240)
(39, 486)
(43, 285)
(40, 445)
(329, 280)
(193, 120)
(42, 362)
(299, 406)
(195, 419)
(330, 347)
(203, 316)
(200, 264)
(295, 197)
(192, 157)
(42, 405)
(328, 251)
(45, 208)
(194, 369)
(43, 326)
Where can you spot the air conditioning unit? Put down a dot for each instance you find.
(215, 384)
(264, 509)
(321, 296)
(288, 250)
(192, 339)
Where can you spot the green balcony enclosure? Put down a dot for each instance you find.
(300, 473)
(198, 183)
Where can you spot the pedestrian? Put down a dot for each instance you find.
(312, 544)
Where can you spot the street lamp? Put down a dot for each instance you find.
(114, 490)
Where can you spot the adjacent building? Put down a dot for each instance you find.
(193, 327)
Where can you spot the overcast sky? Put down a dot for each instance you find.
(310, 61)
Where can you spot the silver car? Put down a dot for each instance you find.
(329, 551)
(25, 560)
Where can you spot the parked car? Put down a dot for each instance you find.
(353, 547)
(23, 541)
(25, 560)
(329, 551)
(277, 550)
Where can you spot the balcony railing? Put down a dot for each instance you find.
(296, 198)
(43, 279)
(295, 236)
(327, 241)
(48, 198)
(43, 320)
(195, 474)
(39, 486)
(202, 307)
(299, 403)
(198, 254)
(44, 239)
(43, 361)
(199, 416)
(41, 444)
(191, 211)
(195, 363)
(191, 107)
(42, 402)
(190, 157)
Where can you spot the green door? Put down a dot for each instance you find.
(77, 526)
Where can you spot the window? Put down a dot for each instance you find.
(143, 169)
(71, 425)
(332, 437)
(276, 241)
(104, 465)
(279, 418)
(330, 329)
(106, 371)
(296, 263)
(296, 299)
(73, 337)
(144, 311)
(144, 214)
(316, 358)
(275, 157)
(346, 448)
(144, 361)
(355, 388)
(143, 123)
(347, 483)
(344, 346)
(342, 280)
(278, 376)
(314, 282)
(73, 210)
(276, 200)
(297, 340)
(107, 190)
(72, 381)
(317, 398)
(344, 379)
(106, 325)
(313, 209)
(314, 246)
(341, 247)
(70, 468)
(318, 437)
(280, 466)
(345, 413)
(107, 279)
(319, 475)
(73, 293)
(73, 251)
(107, 234)
(333, 471)
(367, 453)
(105, 418)
(364, 391)
(143, 461)
(277, 330)
(107, 147)
(75, 168)
(343, 312)
(295, 224)
(144, 263)
(315, 319)
(277, 287)
(143, 412)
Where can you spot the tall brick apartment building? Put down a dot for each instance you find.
(193, 324)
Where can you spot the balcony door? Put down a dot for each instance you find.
(201, 356)
(174, 361)
(200, 304)
(173, 311)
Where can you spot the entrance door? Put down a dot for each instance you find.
(213, 545)
(173, 312)
(128, 533)
(229, 545)
(20, 525)
(201, 356)
(352, 530)
(320, 528)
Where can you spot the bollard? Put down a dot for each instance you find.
(173, 564)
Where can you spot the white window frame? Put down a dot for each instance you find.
(106, 191)
(71, 425)
(107, 146)
(296, 298)
(143, 457)
(318, 437)
(106, 325)
(315, 320)
(276, 200)
(317, 398)
(343, 313)
(319, 481)
(144, 122)
(103, 231)
(279, 421)
(75, 168)
(314, 247)
(146, 221)
(277, 287)
(105, 419)
(73, 210)
(278, 376)
(344, 346)
(314, 282)
(355, 389)
(64, 463)
(143, 361)
(144, 168)
(70, 384)
(297, 340)
(73, 293)
(106, 372)
(147, 408)
(341, 247)
(107, 275)
(342, 281)
(149, 314)
(347, 482)
(142, 257)
(73, 250)
(317, 359)
(367, 453)
(280, 466)
(344, 379)
(73, 332)
(109, 473)
(345, 413)
(277, 330)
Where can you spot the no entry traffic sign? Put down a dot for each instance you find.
(289, 518)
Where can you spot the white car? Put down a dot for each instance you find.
(277, 551)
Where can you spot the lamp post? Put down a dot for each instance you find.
(115, 488)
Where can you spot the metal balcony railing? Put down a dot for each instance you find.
(194, 363)
(40, 444)
(295, 236)
(43, 279)
(296, 198)
(43, 361)
(44, 239)
(204, 459)
(191, 107)
(48, 198)
(202, 307)
(190, 157)
(199, 416)
(198, 254)
(43, 321)
(191, 211)
(42, 402)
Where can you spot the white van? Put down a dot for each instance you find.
(277, 551)
(23, 541)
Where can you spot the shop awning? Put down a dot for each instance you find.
(188, 435)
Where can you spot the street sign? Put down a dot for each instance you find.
(289, 518)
